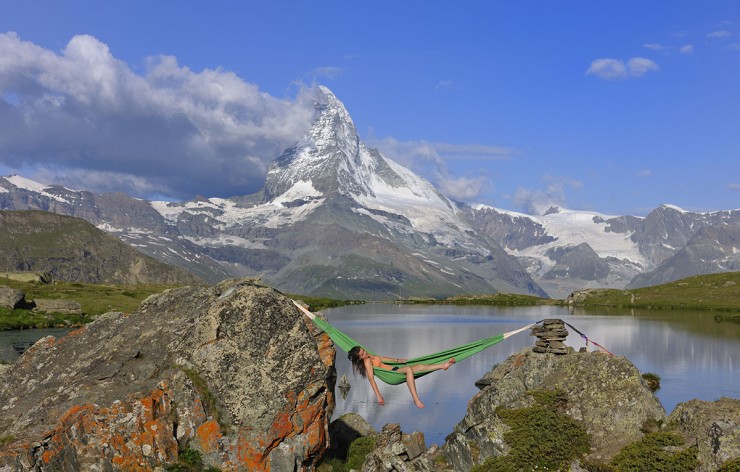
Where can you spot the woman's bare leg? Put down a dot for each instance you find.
(411, 381)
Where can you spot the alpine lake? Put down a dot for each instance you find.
(696, 354)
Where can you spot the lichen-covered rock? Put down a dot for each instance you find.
(234, 372)
(605, 394)
(399, 452)
(11, 298)
(713, 426)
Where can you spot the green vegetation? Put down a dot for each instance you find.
(95, 299)
(719, 292)
(319, 303)
(25, 319)
(504, 299)
(6, 439)
(651, 453)
(652, 380)
(703, 292)
(541, 436)
(358, 449)
(190, 460)
(731, 466)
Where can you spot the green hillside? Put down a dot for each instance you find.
(73, 250)
(701, 292)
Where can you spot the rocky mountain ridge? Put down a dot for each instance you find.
(337, 218)
(72, 250)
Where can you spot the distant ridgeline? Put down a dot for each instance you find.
(338, 219)
(42, 246)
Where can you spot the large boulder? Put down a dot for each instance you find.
(713, 426)
(233, 372)
(605, 394)
(54, 305)
(11, 298)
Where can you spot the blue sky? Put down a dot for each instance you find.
(614, 106)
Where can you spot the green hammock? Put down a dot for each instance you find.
(394, 377)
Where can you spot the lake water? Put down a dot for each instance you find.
(13, 343)
(694, 355)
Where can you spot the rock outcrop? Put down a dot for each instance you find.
(11, 298)
(52, 305)
(606, 394)
(713, 426)
(233, 372)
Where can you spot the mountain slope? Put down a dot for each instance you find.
(353, 224)
(73, 250)
(340, 219)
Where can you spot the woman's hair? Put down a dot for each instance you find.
(358, 365)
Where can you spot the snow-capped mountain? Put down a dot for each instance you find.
(338, 218)
(334, 218)
(566, 250)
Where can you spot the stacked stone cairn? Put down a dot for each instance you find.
(550, 336)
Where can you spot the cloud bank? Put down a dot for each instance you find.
(170, 132)
(431, 160)
(537, 202)
(616, 69)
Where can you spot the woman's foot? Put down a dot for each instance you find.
(418, 403)
(447, 364)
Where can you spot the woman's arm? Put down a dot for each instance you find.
(371, 379)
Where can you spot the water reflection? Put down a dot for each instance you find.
(691, 352)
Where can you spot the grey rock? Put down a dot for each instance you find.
(233, 371)
(344, 430)
(11, 298)
(713, 426)
(606, 394)
(51, 305)
(397, 451)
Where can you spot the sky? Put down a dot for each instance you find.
(611, 106)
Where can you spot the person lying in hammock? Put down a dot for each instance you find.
(363, 363)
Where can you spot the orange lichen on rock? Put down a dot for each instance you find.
(208, 435)
(137, 434)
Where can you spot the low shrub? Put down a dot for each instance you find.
(652, 380)
(541, 437)
(651, 453)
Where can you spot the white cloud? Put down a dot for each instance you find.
(85, 114)
(687, 49)
(462, 188)
(608, 69)
(613, 69)
(430, 160)
(719, 34)
(537, 202)
(645, 173)
(656, 47)
(639, 66)
(734, 186)
(330, 72)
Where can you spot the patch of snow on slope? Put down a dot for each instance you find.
(272, 214)
(572, 227)
(302, 190)
(33, 186)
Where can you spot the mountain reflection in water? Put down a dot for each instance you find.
(692, 353)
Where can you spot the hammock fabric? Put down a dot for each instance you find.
(394, 377)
